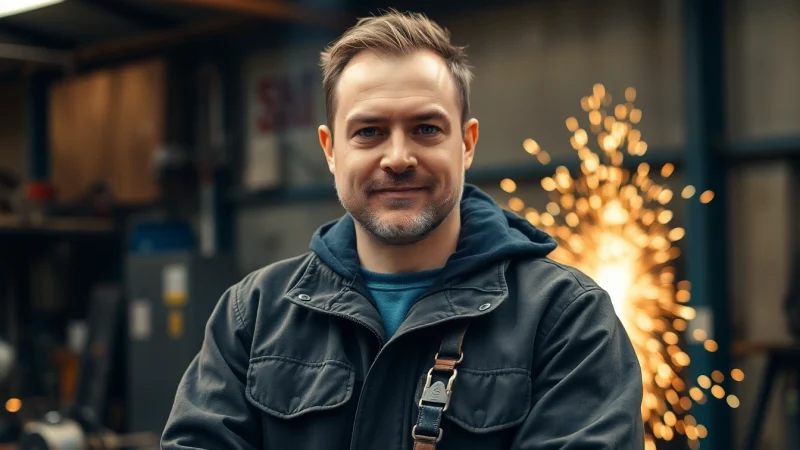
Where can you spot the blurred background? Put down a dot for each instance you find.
(152, 152)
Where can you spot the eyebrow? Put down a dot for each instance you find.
(424, 116)
(427, 116)
(363, 119)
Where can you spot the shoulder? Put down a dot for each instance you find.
(555, 278)
(552, 288)
(278, 276)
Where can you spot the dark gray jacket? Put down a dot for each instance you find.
(295, 356)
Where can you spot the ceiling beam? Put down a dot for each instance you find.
(35, 37)
(131, 13)
(155, 41)
(272, 10)
(27, 53)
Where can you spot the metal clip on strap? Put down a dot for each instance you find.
(436, 396)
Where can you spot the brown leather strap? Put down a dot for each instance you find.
(420, 445)
(445, 365)
(436, 395)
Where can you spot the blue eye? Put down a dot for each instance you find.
(428, 129)
(368, 132)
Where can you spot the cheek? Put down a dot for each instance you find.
(351, 170)
(448, 166)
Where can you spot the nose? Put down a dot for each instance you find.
(399, 155)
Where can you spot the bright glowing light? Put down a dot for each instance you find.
(718, 391)
(614, 213)
(667, 170)
(612, 224)
(572, 124)
(630, 94)
(508, 185)
(516, 204)
(530, 146)
(13, 405)
(532, 216)
(10, 7)
(543, 157)
(616, 280)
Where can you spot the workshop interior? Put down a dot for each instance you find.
(154, 152)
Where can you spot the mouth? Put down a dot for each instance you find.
(399, 191)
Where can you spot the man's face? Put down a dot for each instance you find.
(398, 153)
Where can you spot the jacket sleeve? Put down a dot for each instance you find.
(587, 382)
(210, 409)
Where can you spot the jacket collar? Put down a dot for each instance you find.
(321, 289)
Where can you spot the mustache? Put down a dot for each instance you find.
(394, 180)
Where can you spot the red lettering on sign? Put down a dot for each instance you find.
(284, 102)
(265, 120)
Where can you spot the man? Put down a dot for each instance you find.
(426, 317)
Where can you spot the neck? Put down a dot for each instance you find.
(429, 253)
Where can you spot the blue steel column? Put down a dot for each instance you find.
(212, 137)
(38, 167)
(231, 101)
(707, 224)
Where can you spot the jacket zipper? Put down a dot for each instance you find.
(366, 377)
(361, 394)
(381, 346)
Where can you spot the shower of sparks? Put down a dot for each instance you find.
(614, 225)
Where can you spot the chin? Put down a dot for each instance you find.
(398, 221)
(403, 227)
(393, 233)
(399, 215)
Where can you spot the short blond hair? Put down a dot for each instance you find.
(394, 33)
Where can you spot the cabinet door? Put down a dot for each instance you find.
(138, 130)
(106, 126)
(12, 128)
(78, 128)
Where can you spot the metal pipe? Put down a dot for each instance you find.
(35, 54)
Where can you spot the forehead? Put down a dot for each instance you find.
(386, 83)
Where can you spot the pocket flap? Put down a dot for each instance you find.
(287, 387)
(484, 401)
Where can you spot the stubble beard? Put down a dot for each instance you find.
(413, 227)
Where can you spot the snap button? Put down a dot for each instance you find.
(304, 297)
(484, 307)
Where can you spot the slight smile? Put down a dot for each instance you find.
(399, 192)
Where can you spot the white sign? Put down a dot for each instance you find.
(285, 105)
(141, 319)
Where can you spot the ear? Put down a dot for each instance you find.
(326, 142)
(470, 141)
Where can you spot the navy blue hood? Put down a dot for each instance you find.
(488, 235)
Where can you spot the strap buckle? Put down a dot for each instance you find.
(437, 393)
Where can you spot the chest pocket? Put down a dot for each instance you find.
(485, 409)
(304, 405)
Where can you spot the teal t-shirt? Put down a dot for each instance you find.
(396, 293)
